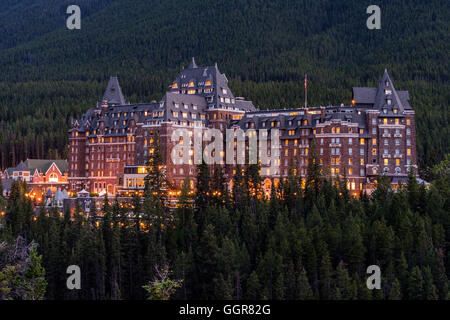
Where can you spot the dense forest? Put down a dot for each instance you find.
(51, 74)
(304, 243)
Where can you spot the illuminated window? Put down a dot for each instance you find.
(361, 161)
(361, 141)
(350, 161)
(408, 122)
(374, 151)
(191, 91)
(350, 171)
(386, 162)
(385, 120)
(338, 130)
(53, 177)
(175, 85)
(374, 141)
(397, 162)
(396, 121)
(191, 84)
(408, 151)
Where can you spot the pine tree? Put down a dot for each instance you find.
(415, 284)
(253, 286)
(304, 291)
(396, 291)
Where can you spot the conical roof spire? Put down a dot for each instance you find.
(193, 65)
(113, 92)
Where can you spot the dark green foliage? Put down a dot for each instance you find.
(249, 247)
(51, 74)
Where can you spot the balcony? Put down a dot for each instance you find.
(386, 156)
(397, 135)
(386, 135)
(335, 145)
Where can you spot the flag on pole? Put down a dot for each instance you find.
(306, 90)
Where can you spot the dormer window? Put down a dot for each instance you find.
(175, 86)
(224, 90)
(207, 83)
(191, 84)
(384, 110)
(389, 102)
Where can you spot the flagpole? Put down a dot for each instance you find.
(306, 90)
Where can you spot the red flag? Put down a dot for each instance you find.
(305, 80)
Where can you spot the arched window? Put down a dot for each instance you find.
(53, 177)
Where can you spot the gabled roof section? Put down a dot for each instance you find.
(21, 167)
(383, 96)
(113, 93)
(386, 91)
(43, 165)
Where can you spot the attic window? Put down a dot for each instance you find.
(175, 85)
(224, 90)
(389, 101)
(387, 83)
(207, 83)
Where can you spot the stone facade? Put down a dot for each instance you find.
(109, 144)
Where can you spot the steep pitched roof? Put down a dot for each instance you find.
(43, 165)
(113, 93)
(378, 97)
(21, 167)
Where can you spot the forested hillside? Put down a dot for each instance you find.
(311, 243)
(50, 74)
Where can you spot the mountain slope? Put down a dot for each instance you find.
(50, 74)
